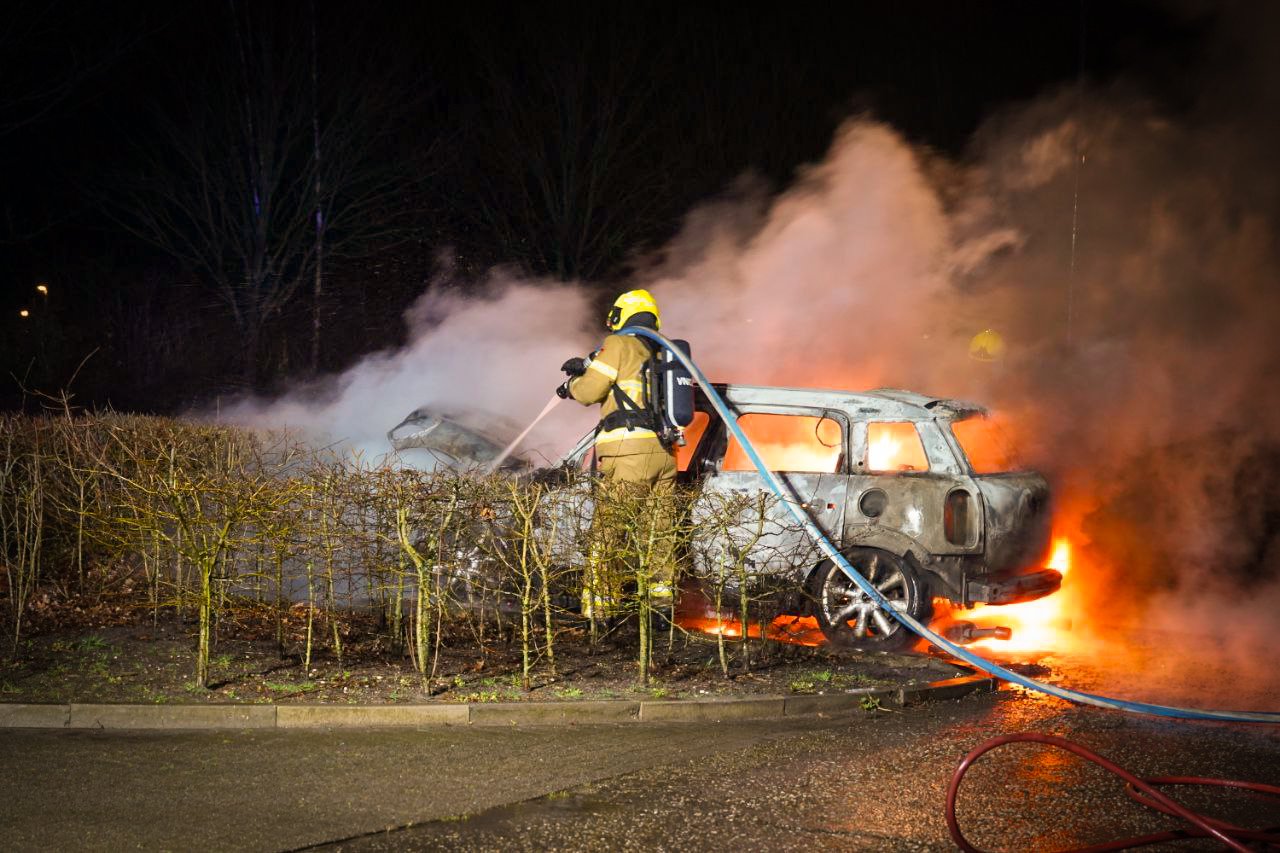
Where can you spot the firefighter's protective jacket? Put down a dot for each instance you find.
(619, 362)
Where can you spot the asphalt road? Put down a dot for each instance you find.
(864, 784)
(881, 785)
(280, 790)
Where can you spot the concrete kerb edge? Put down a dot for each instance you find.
(89, 716)
(23, 716)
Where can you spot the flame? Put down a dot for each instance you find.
(696, 612)
(882, 451)
(1038, 626)
(895, 447)
(1041, 625)
(787, 443)
(1060, 559)
(796, 630)
(1057, 622)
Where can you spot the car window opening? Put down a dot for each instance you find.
(987, 446)
(895, 447)
(788, 443)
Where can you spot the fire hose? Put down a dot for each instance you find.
(1142, 791)
(820, 539)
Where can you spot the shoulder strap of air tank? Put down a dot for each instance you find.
(624, 401)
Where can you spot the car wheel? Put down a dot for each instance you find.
(850, 619)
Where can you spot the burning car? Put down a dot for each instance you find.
(922, 494)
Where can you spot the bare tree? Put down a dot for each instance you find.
(49, 58)
(45, 62)
(234, 185)
(574, 180)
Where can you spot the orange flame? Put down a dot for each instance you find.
(796, 630)
(1060, 559)
(786, 443)
(881, 452)
(1041, 625)
(894, 447)
(1038, 626)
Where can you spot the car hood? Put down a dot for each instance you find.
(433, 439)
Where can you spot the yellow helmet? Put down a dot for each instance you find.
(631, 303)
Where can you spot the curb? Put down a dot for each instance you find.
(152, 717)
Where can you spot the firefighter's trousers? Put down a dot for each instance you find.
(632, 532)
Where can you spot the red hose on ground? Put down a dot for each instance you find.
(1140, 790)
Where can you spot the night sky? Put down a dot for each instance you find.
(467, 124)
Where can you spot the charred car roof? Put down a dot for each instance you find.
(891, 403)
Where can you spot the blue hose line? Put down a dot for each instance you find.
(820, 539)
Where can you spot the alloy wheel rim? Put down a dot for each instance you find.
(847, 606)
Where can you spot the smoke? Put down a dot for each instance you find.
(1150, 379)
(1125, 255)
(1126, 262)
(833, 284)
(489, 359)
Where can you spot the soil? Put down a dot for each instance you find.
(120, 652)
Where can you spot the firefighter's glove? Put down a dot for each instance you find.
(562, 390)
(574, 367)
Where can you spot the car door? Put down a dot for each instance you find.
(807, 448)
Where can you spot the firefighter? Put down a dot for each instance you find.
(628, 452)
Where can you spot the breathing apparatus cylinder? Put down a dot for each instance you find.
(671, 394)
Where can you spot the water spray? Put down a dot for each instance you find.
(515, 442)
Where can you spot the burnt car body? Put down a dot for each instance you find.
(886, 476)
(894, 480)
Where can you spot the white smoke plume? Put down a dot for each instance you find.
(491, 359)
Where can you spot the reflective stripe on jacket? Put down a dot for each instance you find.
(620, 362)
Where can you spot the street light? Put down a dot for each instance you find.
(43, 289)
(24, 313)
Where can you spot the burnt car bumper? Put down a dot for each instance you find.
(1014, 589)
